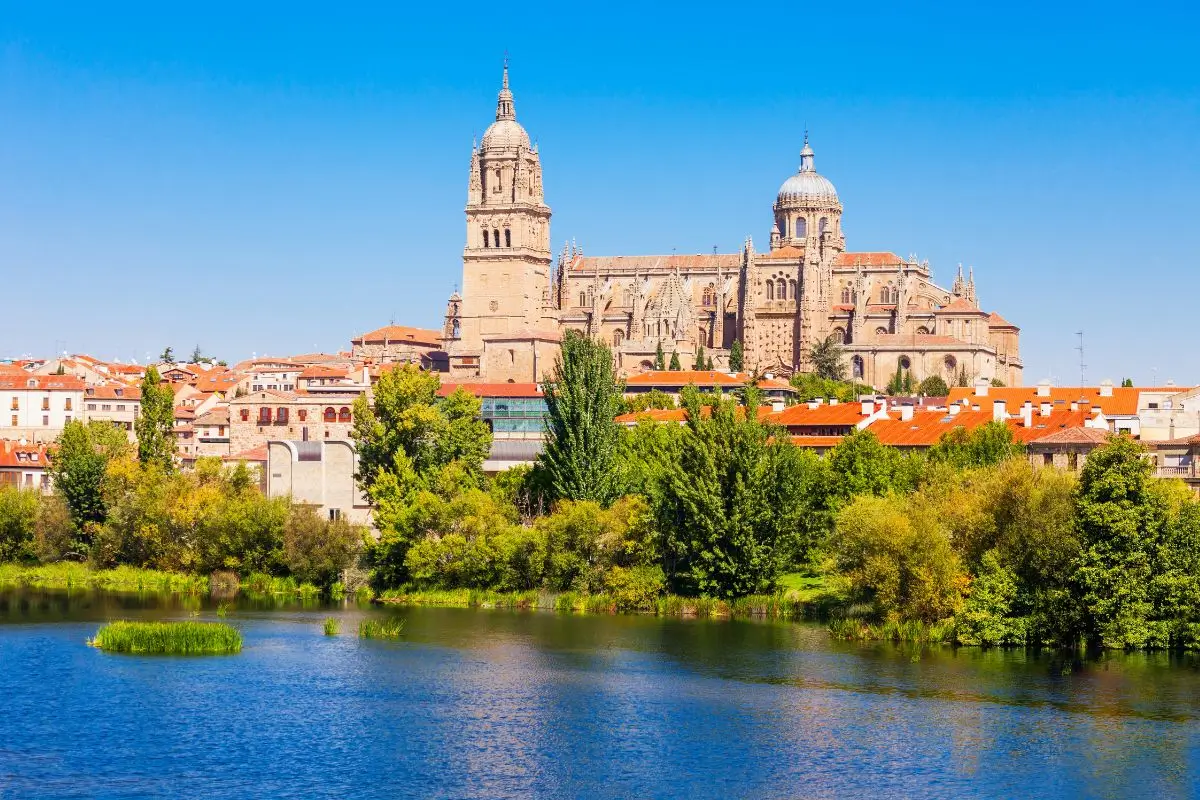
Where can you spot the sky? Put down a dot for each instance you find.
(259, 178)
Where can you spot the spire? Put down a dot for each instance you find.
(504, 103)
(806, 156)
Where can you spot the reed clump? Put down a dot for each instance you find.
(907, 631)
(66, 575)
(262, 583)
(332, 626)
(168, 638)
(380, 628)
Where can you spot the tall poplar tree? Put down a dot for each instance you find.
(582, 398)
(674, 365)
(660, 359)
(736, 357)
(155, 425)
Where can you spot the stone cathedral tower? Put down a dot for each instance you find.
(505, 327)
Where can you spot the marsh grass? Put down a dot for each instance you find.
(381, 628)
(262, 583)
(168, 638)
(332, 626)
(122, 579)
(908, 632)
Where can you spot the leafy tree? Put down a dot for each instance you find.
(407, 418)
(895, 386)
(999, 384)
(728, 507)
(78, 465)
(316, 550)
(168, 356)
(698, 362)
(582, 399)
(660, 360)
(155, 424)
(61, 370)
(963, 379)
(653, 399)
(933, 386)
(1127, 383)
(674, 366)
(861, 465)
(810, 386)
(197, 355)
(828, 359)
(18, 523)
(735, 356)
(986, 445)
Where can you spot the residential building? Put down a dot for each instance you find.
(113, 402)
(319, 473)
(262, 416)
(36, 408)
(24, 465)
(211, 432)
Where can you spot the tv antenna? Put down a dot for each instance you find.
(1082, 366)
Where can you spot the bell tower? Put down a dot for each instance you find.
(506, 261)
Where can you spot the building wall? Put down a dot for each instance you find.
(38, 415)
(320, 474)
(305, 418)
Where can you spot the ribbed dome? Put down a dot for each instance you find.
(505, 133)
(807, 184)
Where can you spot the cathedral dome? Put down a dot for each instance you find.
(807, 184)
(505, 133)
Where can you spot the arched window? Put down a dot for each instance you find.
(781, 289)
(880, 331)
(895, 295)
(344, 414)
(496, 190)
(845, 295)
(856, 367)
(496, 237)
(951, 364)
(904, 363)
(770, 290)
(507, 237)
(792, 289)
(823, 225)
(839, 335)
(710, 296)
(801, 227)
(618, 337)
(647, 365)
(330, 415)
(922, 331)
(590, 296)
(485, 237)
(885, 294)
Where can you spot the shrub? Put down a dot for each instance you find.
(635, 588)
(316, 550)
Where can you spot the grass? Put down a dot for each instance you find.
(332, 626)
(380, 629)
(168, 638)
(910, 631)
(79, 576)
(262, 583)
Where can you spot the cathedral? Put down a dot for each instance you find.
(517, 299)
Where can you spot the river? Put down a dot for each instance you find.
(503, 704)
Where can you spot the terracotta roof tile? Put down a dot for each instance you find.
(1078, 435)
(789, 252)
(960, 305)
(1122, 402)
(493, 389)
(824, 415)
(705, 261)
(700, 378)
(401, 334)
(867, 260)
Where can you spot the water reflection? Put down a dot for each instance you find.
(531, 704)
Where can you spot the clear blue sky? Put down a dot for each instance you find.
(275, 179)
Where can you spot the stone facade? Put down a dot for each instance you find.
(259, 417)
(887, 311)
(320, 474)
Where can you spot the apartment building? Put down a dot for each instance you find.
(37, 407)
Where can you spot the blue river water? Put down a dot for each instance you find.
(499, 704)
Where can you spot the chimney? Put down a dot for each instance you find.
(1106, 387)
(833, 401)
(1043, 387)
(777, 406)
(868, 407)
(906, 412)
(954, 408)
(1027, 414)
(1074, 405)
(812, 404)
(981, 387)
(999, 410)
(1044, 409)
(770, 376)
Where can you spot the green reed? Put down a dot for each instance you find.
(332, 626)
(122, 579)
(380, 628)
(168, 638)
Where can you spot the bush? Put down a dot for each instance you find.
(635, 588)
(18, 522)
(316, 550)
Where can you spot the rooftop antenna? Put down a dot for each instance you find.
(1082, 366)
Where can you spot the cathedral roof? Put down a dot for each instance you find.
(960, 305)
(807, 184)
(703, 261)
(997, 321)
(505, 133)
(867, 260)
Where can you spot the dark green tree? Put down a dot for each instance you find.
(828, 359)
(660, 359)
(986, 445)
(933, 386)
(674, 366)
(698, 362)
(197, 355)
(168, 356)
(155, 424)
(962, 379)
(582, 398)
(736, 357)
(78, 464)
(999, 384)
(1127, 383)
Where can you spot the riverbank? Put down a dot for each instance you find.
(68, 575)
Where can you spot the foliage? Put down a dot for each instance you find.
(390, 628)
(996, 382)
(635, 588)
(331, 626)
(78, 465)
(986, 445)
(828, 359)
(18, 522)
(933, 386)
(407, 419)
(902, 383)
(582, 399)
(861, 465)
(317, 550)
(698, 362)
(736, 356)
(1127, 383)
(644, 401)
(168, 356)
(168, 638)
(660, 359)
(155, 423)
(811, 386)
(674, 366)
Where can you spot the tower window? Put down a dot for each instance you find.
(823, 225)
(582, 300)
(496, 190)
(507, 237)
(782, 289)
(845, 295)
(485, 238)
(710, 296)
(801, 227)
(618, 337)
(770, 290)
(792, 289)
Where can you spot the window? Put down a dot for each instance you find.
(264, 416)
(884, 294)
(770, 290)
(45, 419)
(905, 363)
(220, 430)
(91, 407)
(335, 514)
(839, 335)
(106, 406)
(344, 414)
(710, 296)
(856, 367)
(120, 407)
(330, 415)
(951, 364)
(281, 415)
(245, 415)
(792, 289)
(14, 420)
(824, 223)
(922, 331)
(302, 414)
(45, 404)
(485, 237)
(582, 300)
(68, 419)
(16, 404)
(67, 405)
(880, 331)
(846, 295)
(496, 190)
(801, 227)
(507, 237)
(1072, 461)
(495, 237)
(618, 337)
(781, 289)
(1047, 459)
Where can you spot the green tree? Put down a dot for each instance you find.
(316, 550)
(653, 399)
(1127, 383)
(963, 379)
(828, 359)
(582, 398)
(861, 465)
(674, 366)
(736, 357)
(197, 355)
(999, 384)
(155, 424)
(933, 386)
(698, 362)
(729, 505)
(810, 386)
(78, 465)
(168, 356)
(986, 445)
(18, 523)
(660, 360)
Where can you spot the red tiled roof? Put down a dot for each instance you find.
(401, 334)
(824, 415)
(925, 428)
(789, 252)
(997, 321)
(253, 454)
(42, 383)
(23, 456)
(218, 415)
(684, 377)
(704, 261)
(113, 392)
(817, 441)
(917, 340)
(1123, 402)
(493, 389)
(960, 306)
(867, 259)
(319, 371)
(1078, 435)
(774, 384)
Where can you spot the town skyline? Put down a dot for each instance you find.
(327, 225)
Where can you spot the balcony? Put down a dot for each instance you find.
(1188, 472)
